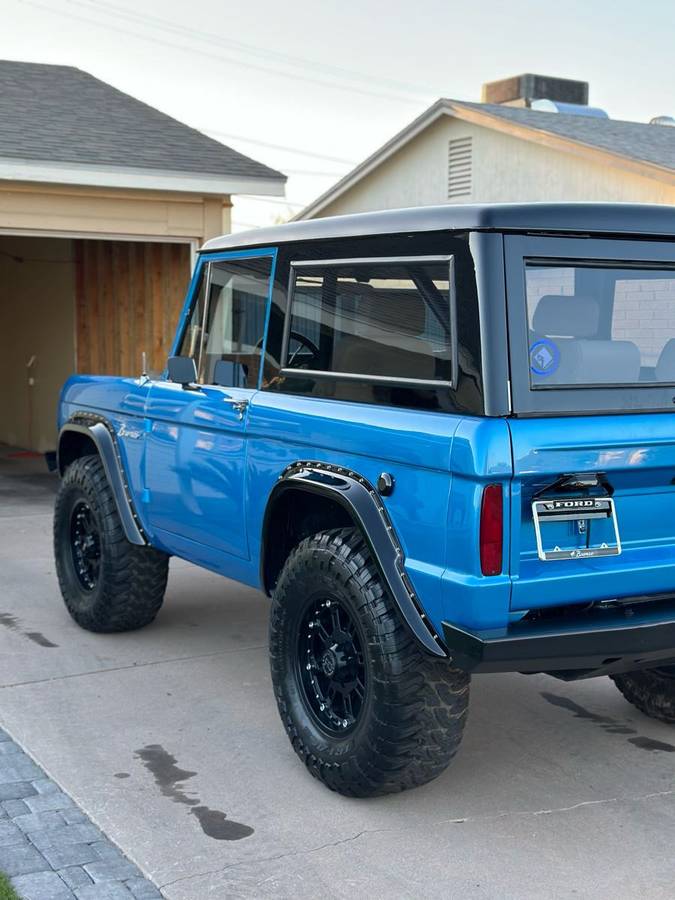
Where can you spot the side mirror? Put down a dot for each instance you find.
(183, 370)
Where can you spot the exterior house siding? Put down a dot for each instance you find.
(128, 297)
(96, 211)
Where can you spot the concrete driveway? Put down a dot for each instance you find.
(170, 740)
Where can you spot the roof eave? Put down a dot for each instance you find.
(129, 178)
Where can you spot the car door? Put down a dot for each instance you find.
(196, 434)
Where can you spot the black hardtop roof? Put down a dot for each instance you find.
(578, 218)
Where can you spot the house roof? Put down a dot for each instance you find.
(644, 220)
(59, 123)
(635, 140)
(646, 149)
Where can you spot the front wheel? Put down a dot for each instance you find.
(652, 691)
(107, 583)
(365, 707)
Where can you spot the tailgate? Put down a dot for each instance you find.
(634, 457)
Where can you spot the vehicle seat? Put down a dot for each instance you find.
(389, 344)
(571, 323)
(665, 367)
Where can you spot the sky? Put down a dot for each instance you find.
(312, 87)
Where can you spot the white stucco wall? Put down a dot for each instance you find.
(505, 168)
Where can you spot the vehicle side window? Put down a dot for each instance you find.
(192, 336)
(232, 327)
(370, 329)
(385, 319)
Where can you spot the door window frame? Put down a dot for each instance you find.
(203, 271)
(576, 399)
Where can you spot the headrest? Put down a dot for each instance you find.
(665, 367)
(562, 315)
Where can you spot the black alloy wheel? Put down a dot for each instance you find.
(85, 542)
(332, 666)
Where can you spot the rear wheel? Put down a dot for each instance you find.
(107, 583)
(652, 691)
(366, 709)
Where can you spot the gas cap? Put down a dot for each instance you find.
(385, 484)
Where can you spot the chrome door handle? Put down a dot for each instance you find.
(238, 405)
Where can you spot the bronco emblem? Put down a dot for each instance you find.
(544, 357)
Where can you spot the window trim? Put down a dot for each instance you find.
(364, 378)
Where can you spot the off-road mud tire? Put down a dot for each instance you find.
(131, 580)
(652, 691)
(412, 719)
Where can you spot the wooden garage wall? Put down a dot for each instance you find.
(129, 295)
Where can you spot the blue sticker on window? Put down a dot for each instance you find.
(544, 357)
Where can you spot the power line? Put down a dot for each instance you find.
(297, 150)
(241, 47)
(219, 57)
(272, 200)
(307, 172)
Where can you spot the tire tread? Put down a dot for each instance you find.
(422, 708)
(133, 577)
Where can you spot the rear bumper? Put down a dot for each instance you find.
(599, 641)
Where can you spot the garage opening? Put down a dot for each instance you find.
(77, 305)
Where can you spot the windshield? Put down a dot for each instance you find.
(600, 324)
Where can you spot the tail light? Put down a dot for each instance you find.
(491, 530)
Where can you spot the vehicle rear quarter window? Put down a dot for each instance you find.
(372, 320)
(409, 331)
(371, 330)
(600, 324)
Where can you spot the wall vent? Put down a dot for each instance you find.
(459, 168)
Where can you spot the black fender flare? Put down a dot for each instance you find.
(360, 499)
(101, 432)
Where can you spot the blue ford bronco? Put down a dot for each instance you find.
(441, 440)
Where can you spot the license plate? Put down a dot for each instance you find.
(580, 514)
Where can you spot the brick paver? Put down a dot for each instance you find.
(49, 849)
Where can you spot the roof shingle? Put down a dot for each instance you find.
(62, 114)
(635, 140)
